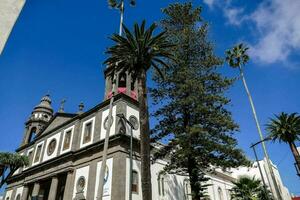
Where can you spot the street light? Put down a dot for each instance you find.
(121, 116)
(256, 158)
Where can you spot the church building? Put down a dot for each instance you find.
(65, 152)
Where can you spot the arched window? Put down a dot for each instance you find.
(32, 134)
(135, 182)
(220, 193)
(186, 184)
(163, 186)
(122, 80)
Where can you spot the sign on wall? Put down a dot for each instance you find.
(107, 179)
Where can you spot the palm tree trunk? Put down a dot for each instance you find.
(295, 153)
(260, 134)
(144, 137)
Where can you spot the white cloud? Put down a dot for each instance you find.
(210, 3)
(234, 15)
(277, 27)
(278, 30)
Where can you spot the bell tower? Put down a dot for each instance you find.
(126, 83)
(40, 116)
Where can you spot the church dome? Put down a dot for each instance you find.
(44, 106)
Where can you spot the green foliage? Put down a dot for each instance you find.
(285, 127)
(246, 188)
(192, 106)
(136, 53)
(9, 163)
(139, 50)
(237, 56)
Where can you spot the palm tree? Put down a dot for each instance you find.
(117, 4)
(286, 128)
(236, 58)
(9, 163)
(136, 53)
(246, 188)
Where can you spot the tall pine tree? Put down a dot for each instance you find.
(192, 111)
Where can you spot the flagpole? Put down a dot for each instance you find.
(110, 119)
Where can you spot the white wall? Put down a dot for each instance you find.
(8, 194)
(254, 172)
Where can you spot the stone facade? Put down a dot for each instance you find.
(65, 154)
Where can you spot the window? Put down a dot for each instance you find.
(30, 158)
(67, 140)
(122, 80)
(163, 186)
(135, 182)
(134, 121)
(187, 190)
(18, 197)
(32, 135)
(51, 147)
(87, 136)
(38, 154)
(106, 122)
(220, 193)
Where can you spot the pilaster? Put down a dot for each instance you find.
(53, 188)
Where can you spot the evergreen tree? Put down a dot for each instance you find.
(192, 111)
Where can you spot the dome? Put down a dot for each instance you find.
(44, 105)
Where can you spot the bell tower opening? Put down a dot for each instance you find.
(32, 134)
(122, 81)
(126, 83)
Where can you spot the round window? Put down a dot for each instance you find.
(134, 121)
(80, 184)
(51, 147)
(106, 122)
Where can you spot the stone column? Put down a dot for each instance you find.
(25, 193)
(53, 188)
(68, 193)
(35, 191)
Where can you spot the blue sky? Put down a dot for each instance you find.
(58, 46)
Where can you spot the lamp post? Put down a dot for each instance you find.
(121, 116)
(256, 158)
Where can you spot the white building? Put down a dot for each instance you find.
(254, 172)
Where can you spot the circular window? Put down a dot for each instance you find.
(18, 197)
(51, 147)
(106, 122)
(134, 121)
(80, 184)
